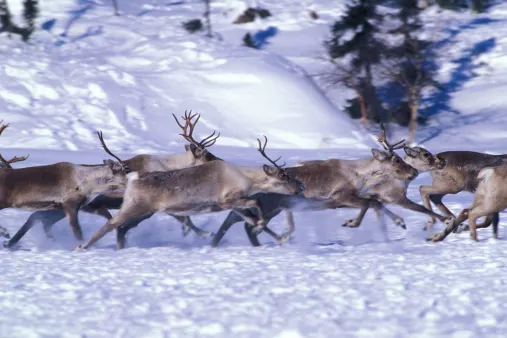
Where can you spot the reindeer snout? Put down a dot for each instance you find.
(414, 174)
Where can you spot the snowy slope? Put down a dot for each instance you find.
(90, 70)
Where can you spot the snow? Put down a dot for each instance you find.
(125, 75)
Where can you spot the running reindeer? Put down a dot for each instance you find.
(336, 183)
(452, 172)
(456, 171)
(196, 154)
(4, 164)
(211, 187)
(61, 187)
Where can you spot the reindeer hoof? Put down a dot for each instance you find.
(435, 237)
(80, 248)
(401, 223)
(351, 223)
(284, 238)
(185, 231)
(461, 228)
(4, 232)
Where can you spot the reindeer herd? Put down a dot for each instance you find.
(196, 182)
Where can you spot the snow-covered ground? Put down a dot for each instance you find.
(125, 75)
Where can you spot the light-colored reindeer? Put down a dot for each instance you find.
(452, 172)
(336, 183)
(196, 154)
(211, 187)
(490, 198)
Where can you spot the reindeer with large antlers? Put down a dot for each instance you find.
(196, 154)
(342, 183)
(332, 184)
(211, 187)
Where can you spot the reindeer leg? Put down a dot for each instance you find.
(189, 225)
(440, 236)
(495, 221)
(394, 217)
(290, 226)
(408, 204)
(45, 216)
(71, 209)
(252, 236)
(122, 218)
(362, 203)
(231, 219)
(4, 232)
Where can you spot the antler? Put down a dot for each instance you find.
(263, 153)
(188, 130)
(383, 140)
(125, 167)
(6, 163)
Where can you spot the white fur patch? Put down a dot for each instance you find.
(485, 174)
(133, 176)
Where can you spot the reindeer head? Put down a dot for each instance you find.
(278, 179)
(390, 161)
(198, 149)
(423, 160)
(3, 162)
(119, 171)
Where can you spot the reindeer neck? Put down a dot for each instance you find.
(178, 161)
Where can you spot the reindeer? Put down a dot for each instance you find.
(211, 187)
(489, 199)
(336, 183)
(452, 172)
(196, 154)
(61, 186)
(7, 164)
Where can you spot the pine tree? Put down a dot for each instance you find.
(30, 13)
(354, 38)
(409, 64)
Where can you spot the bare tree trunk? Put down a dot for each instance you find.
(413, 121)
(116, 10)
(207, 13)
(362, 105)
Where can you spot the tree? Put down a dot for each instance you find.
(355, 48)
(30, 13)
(116, 9)
(408, 64)
(207, 19)
(7, 24)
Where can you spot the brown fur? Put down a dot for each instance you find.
(60, 186)
(489, 199)
(211, 187)
(331, 184)
(451, 171)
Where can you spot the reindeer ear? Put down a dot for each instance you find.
(410, 152)
(187, 147)
(114, 166)
(270, 171)
(380, 155)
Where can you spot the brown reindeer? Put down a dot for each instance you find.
(211, 187)
(451, 171)
(490, 198)
(61, 186)
(332, 184)
(7, 165)
(196, 154)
